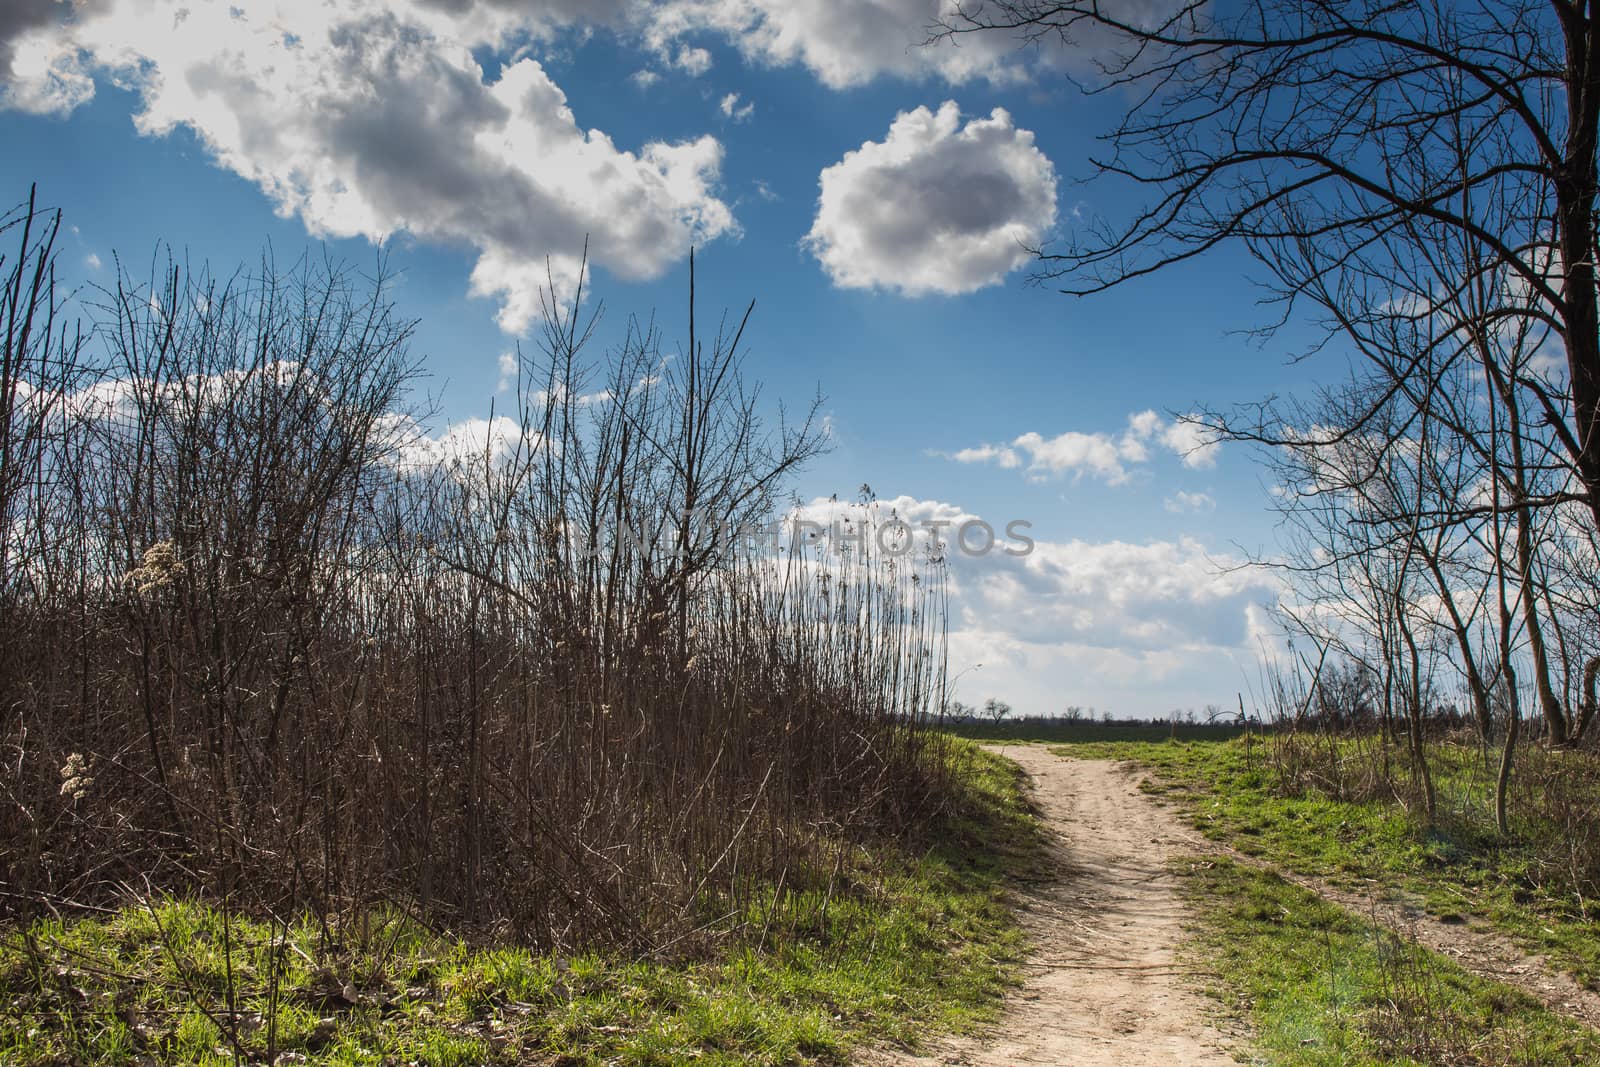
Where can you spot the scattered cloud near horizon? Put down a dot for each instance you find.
(1108, 457)
(1073, 618)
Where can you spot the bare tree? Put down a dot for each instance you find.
(1338, 126)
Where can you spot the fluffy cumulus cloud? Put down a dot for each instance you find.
(1189, 438)
(845, 42)
(693, 61)
(1160, 596)
(1113, 594)
(372, 118)
(1110, 458)
(20, 18)
(1000, 455)
(494, 20)
(508, 372)
(937, 206)
(1078, 621)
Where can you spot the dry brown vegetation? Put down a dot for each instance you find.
(260, 639)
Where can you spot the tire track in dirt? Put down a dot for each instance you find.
(1479, 950)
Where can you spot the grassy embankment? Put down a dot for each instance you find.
(910, 938)
(1323, 986)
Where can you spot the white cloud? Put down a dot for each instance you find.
(732, 109)
(693, 61)
(936, 207)
(470, 443)
(1181, 502)
(561, 395)
(844, 42)
(1105, 456)
(506, 21)
(1145, 424)
(508, 372)
(847, 43)
(645, 78)
(92, 261)
(1141, 626)
(1154, 596)
(1077, 454)
(1000, 455)
(20, 18)
(40, 73)
(371, 118)
(1191, 440)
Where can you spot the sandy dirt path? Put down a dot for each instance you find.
(1103, 986)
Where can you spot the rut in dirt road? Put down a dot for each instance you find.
(1103, 984)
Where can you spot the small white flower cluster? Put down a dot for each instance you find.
(75, 777)
(159, 569)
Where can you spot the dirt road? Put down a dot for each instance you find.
(1104, 985)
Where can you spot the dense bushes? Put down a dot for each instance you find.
(261, 637)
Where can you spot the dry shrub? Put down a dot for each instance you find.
(260, 638)
(1553, 802)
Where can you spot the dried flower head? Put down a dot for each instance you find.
(75, 777)
(160, 568)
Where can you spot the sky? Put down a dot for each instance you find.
(872, 194)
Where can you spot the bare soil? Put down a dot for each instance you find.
(1104, 986)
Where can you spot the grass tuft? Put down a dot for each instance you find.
(1323, 987)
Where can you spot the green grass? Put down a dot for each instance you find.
(1456, 869)
(910, 940)
(1322, 988)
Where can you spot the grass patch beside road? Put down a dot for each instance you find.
(909, 939)
(1456, 869)
(1324, 988)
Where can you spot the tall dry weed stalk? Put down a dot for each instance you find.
(519, 677)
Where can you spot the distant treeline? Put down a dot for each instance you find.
(1067, 729)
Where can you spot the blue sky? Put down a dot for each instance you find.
(297, 125)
